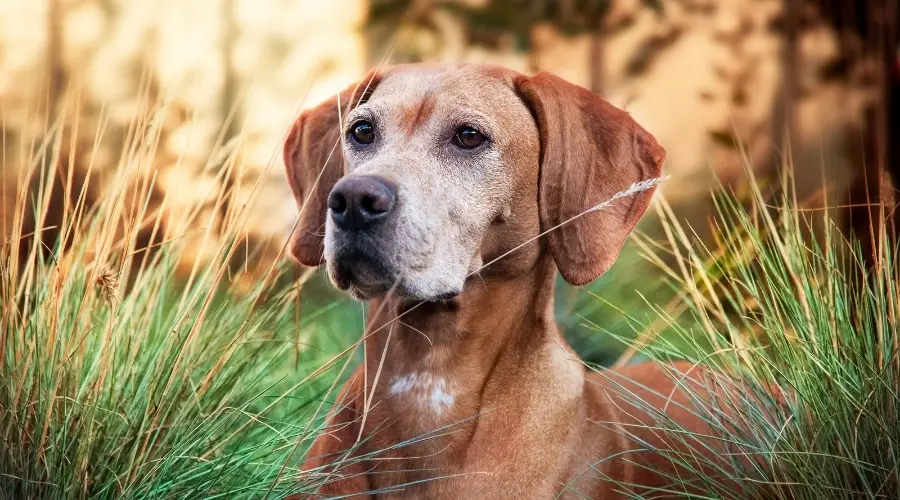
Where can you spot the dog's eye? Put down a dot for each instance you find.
(363, 132)
(468, 138)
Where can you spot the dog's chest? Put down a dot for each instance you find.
(441, 443)
(420, 406)
(424, 394)
(419, 425)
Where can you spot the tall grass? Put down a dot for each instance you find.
(120, 380)
(125, 374)
(803, 337)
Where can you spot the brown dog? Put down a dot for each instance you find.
(429, 172)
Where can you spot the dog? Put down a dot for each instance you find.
(449, 196)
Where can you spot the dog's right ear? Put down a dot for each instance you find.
(314, 162)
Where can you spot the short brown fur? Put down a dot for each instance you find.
(526, 419)
(413, 116)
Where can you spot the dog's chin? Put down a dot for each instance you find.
(364, 275)
(360, 277)
(361, 284)
(398, 291)
(360, 292)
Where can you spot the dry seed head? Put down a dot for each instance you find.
(107, 284)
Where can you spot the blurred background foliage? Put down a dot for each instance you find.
(723, 84)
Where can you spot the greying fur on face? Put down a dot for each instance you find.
(447, 198)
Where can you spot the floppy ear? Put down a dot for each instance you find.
(590, 150)
(315, 162)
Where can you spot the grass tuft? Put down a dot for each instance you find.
(803, 335)
(131, 369)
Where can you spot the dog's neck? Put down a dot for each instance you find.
(443, 355)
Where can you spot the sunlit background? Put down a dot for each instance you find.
(769, 82)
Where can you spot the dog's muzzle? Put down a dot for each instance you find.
(358, 207)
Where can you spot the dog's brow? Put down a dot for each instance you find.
(473, 117)
(363, 111)
(413, 115)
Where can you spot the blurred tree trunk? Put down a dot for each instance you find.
(784, 128)
(598, 45)
(868, 34)
(44, 229)
(57, 75)
(229, 107)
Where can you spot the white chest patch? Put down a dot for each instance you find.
(429, 391)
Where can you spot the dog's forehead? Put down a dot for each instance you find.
(482, 87)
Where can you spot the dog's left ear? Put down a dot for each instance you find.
(590, 150)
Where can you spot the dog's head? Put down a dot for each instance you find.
(418, 174)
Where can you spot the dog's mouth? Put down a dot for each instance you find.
(360, 273)
(368, 267)
(366, 276)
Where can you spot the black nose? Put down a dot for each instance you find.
(358, 202)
